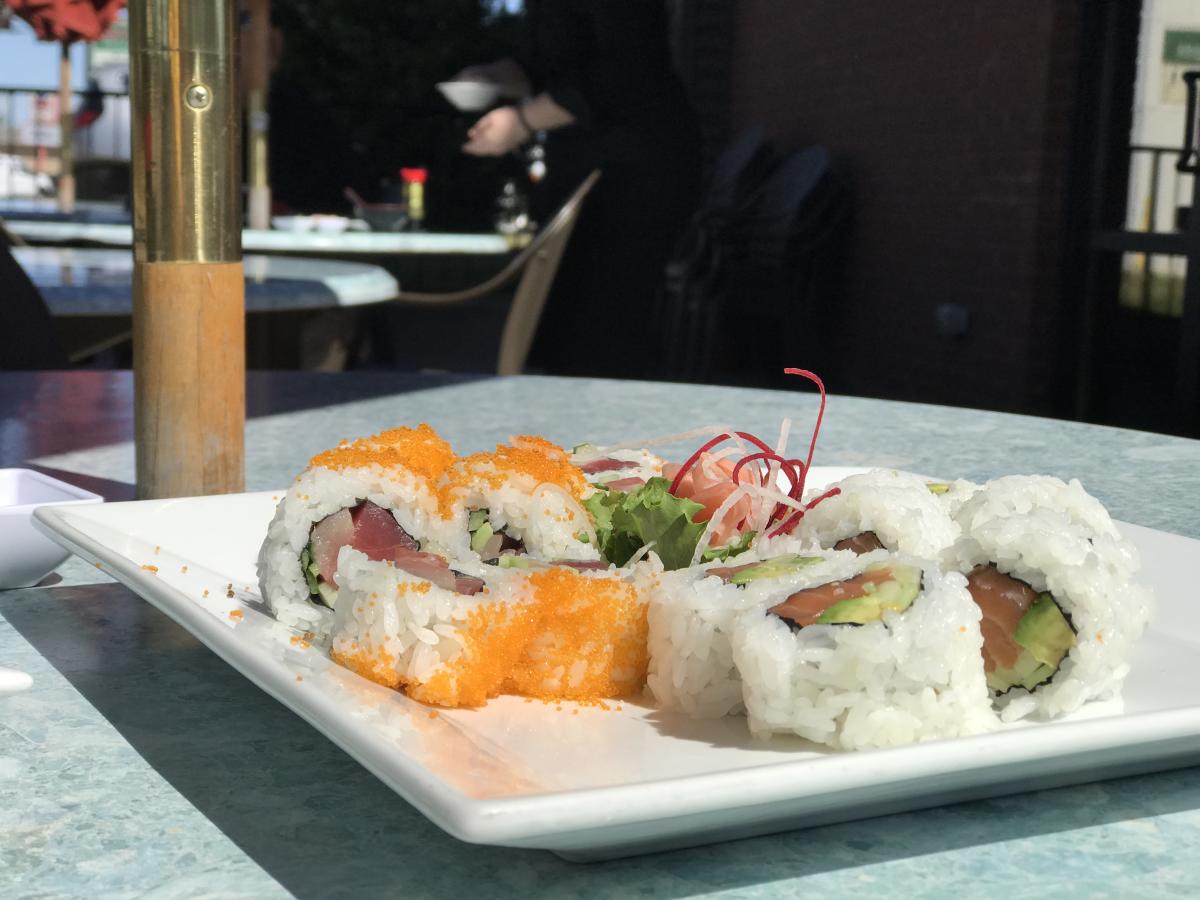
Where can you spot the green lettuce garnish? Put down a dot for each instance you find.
(627, 520)
(741, 545)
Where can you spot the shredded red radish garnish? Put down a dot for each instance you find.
(769, 462)
(795, 520)
(708, 445)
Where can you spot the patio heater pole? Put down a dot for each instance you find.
(189, 293)
(256, 66)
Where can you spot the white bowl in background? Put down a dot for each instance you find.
(27, 555)
(330, 224)
(470, 96)
(292, 223)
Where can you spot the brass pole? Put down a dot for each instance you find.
(256, 68)
(189, 292)
(66, 133)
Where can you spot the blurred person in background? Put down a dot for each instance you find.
(597, 78)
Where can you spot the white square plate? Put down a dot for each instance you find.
(589, 783)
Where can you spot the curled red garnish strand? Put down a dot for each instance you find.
(812, 445)
(708, 445)
(796, 470)
(787, 466)
(791, 523)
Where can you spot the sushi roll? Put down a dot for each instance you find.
(885, 655)
(882, 509)
(953, 494)
(523, 499)
(449, 641)
(692, 617)
(591, 639)
(618, 469)
(1053, 579)
(379, 494)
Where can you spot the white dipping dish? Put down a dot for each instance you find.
(27, 555)
(470, 96)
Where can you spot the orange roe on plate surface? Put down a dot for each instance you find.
(535, 458)
(420, 449)
(236, 614)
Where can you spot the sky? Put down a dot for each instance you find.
(27, 62)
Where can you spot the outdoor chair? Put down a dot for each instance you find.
(536, 265)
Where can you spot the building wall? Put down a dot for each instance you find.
(954, 123)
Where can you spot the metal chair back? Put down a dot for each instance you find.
(536, 265)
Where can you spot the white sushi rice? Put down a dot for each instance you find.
(642, 463)
(912, 676)
(898, 506)
(319, 492)
(551, 523)
(1055, 537)
(956, 494)
(692, 615)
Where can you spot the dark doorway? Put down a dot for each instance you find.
(1138, 346)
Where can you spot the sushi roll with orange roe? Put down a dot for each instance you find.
(550, 632)
(439, 645)
(590, 643)
(523, 499)
(379, 494)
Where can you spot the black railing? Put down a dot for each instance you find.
(1147, 288)
(24, 141)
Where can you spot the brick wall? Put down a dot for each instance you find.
(954, 122)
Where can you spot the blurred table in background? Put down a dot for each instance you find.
(401, 337)
(310, 243)
(90, 293)
(46, 211)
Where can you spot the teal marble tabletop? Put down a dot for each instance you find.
(139, 764)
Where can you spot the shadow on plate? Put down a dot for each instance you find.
(323, 826)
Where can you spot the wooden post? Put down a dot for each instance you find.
(66, 133)
(189, 292)
(256, 69)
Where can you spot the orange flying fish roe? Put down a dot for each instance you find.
(592, 643)
(236, 614)
(378, 665)
(534, 458)
(420, 449)
(539, 443)
(494, 639)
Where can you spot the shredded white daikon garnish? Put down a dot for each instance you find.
(642, 551)
(785, 428)
(574, 506)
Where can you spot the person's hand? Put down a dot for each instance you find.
(497, 133)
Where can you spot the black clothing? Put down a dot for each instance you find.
(310, 162)
(28, 336)
(608, 63)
